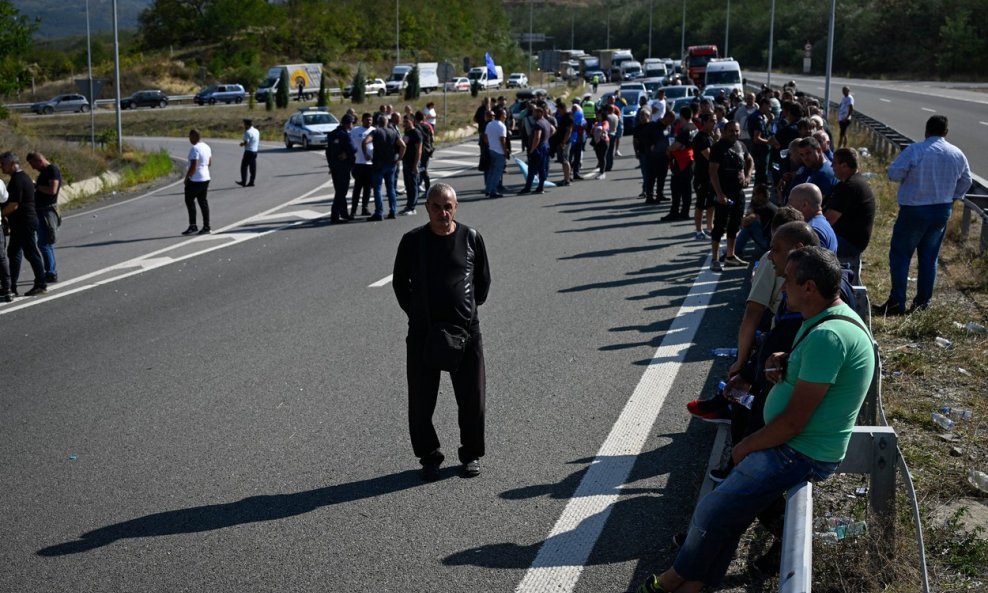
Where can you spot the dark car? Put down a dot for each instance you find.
(226, 93)
(145, 99)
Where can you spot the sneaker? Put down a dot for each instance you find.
(391, 216)
(618, 153)
(714, 410)
(430, 472)
(716, 267)
(651, 585)
(577, 177)
(602, 176)
(192, 229)
(889, 308)
(6, 297)
(365, 212)
(700, 236)
(205, 230)
(36, 291)
(471, 469)
(375, 218)
(408, 213)
(51, 278)
(718, 475)
(525, 190)
(241, 183)
(735, 262)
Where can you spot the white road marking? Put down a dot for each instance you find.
(382, 282)
(560, 560)
(460, 152)
(884, 100)
(928, 109)
(984, 123)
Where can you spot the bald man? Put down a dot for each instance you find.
(808, 199)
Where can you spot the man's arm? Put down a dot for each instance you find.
(192, 169)
(363, 146)
(749, 165)
(52, 188)
(401, 148)
(963, 183)
(746, 334)
(418, 156)
(901, 165)
(536, 140)
(832, 216)
(9, 208)
(401, 281)
(482, 272)
(789, 423)
(504, 145)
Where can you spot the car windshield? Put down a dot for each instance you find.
(318, 118)
(699, 61)
(675, 91)
(724, 77)
(209, 89)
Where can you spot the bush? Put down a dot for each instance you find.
(281, 101)
(359, 93)
(269, 102)
(321, 99)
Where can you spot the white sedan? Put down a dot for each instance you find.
(458, 85)
(309, 127)
(517, 80)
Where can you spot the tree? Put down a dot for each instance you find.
(15, 44)
(321, 99)
(359, 90)
(412, 90)
(281, 100)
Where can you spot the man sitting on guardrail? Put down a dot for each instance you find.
(809, 415)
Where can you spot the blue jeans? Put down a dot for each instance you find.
(721, 517)
(753, 232)
(492, 176)
(385, 174)
(538, 165)
(45, 239)
(917, 229)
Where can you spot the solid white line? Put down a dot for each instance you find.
(928, 109)
(382, 282)
(984, 123)
(884, 100)
(559, 563)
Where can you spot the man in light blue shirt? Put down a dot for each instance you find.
(932, 174)
(251, 143)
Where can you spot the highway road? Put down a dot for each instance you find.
(906, 105)
(227, 412)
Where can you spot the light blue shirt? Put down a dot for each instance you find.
(933, 171)
(252, 139)
(828, 239)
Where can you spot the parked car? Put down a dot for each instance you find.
(74, 103)
(309, 127)
(630, 111)
(679, 91)
(713, 91)
(458, 85)
(588, 76)
(150, 98)
(216, 93)
(681, 102)
(517, 80)
(373, 86)
(652, 85)
(636, 85)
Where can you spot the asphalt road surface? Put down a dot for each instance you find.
(227, 413)
(906, 105)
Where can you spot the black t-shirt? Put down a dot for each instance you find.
(766, 212)
(456, 276)
(385, 146)
(856, 203)
(45, 177)
(564, 121)
(701, 166)
(757, 122)
(730, 157)
(21, 190)
(412, 140)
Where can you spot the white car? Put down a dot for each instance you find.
(517, 80)
(373, 86)
(637, 85)
(309, 127)
(460, 84)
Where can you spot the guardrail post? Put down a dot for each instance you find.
(984, 235)
(796, 570)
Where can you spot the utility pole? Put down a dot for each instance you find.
(771, 44)
(727, 28)
(92, 106)
(397, 32)
(531, 8)
(682, 41)
(830, 60)
(651, 10)
(116, 70)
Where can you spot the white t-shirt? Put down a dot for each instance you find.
(430, 116)
(357, 136)
(741, 116)
(495, 130)
(3, 192)
(658, 107)
(201, 154)
(252, 139)
(844, 111)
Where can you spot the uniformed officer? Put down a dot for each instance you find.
(341, 156)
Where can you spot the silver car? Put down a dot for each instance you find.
(309, 127)
(73, 103)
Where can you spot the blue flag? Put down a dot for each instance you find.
(491, 70)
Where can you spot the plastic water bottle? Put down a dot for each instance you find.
(942, 421)
(740, 396)
(978, 479)
(725, 352)
(943, 342)
(721, 387)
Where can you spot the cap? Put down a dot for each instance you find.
(347, 119)
(248, 121)
(576, 101)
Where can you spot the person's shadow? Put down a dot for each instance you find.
(248, 510)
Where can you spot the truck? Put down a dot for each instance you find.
(309, 76)
(611, 60)
(428, 77)
(479, 75)
(695, 62)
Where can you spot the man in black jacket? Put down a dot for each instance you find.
(441, 276)
(20, 212)
(340, 156)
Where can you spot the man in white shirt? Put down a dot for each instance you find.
(658, 106)
(197, 183)
(361, 167)
(741, 116)
(252, 141)
(844, 113)
(496, 140)
(5, 294)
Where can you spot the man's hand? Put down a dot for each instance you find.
(775, 367)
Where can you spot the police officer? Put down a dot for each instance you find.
(341, 156)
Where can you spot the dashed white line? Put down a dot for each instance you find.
(382, 282)
(928, 109)
(984, 123)
(559, 563)
(884, 100)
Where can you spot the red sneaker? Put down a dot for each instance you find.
(714, 410)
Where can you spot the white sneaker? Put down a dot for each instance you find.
(701, 236)
(602, 176)
(618, 153)
(407, 213)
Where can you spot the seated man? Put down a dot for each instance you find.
(809, 414)
(806, 198)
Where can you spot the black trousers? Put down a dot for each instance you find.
(341, 183)
(469, 388)
(24, 238)
(660, 167)
(4, 266)
(682, 189)
(248, 163)
(195, 191)
(361, 186)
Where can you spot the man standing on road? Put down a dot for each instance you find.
(757, 127)
(538, 152)
(197, 183)
(340, 156)
(496, 140)
(251, 143)
(844, 113)
(412, 158)
(441, 277)
(362, 166)
(932, 174)
(20, 212)
(809, 416)
(5, 288)
(388, 150)
(730, 172)
(46, 189)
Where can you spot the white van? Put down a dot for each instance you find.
(724, 72)
(631, 70)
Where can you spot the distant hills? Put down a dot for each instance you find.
(66, 18)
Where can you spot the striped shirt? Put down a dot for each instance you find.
(930, 172)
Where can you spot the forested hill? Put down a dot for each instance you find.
(64, 18)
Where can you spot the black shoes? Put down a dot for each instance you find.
(205, 230)
(241, 183)
(192, 229)
(391, 216)
(365, 212)
(525, 190)
(471, 469)
(889, 308)
(6, 297)
(36, 291)
(430, 472)
(51, 278)
(375, 218)
(669, 217)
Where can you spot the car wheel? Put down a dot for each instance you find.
(212, 101)
(305, 142)
(48, 110)
(162, 103)
(380, 93)
(239, 100)
(84, 109)
(288, 143)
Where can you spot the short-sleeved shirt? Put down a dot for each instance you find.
(45, 177)
(820, 225)
(701, 165)
(385, 146)
(201, 154)
(684, 136)
(3, 192)
(856, 203)
(563, 122)
(357, 136)
(412, 139)
(756, 122)
(766, 287)
(837, 353)
(844, 111)
(252, 139)
(824, 178)
(730, 158)
(495, 131)
(542, 124)
(658, 107)
(21, 192)
(579, 120)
